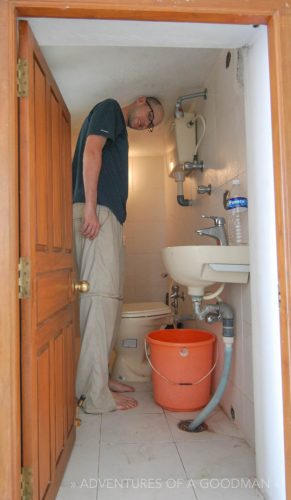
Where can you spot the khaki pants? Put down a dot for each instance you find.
(99, 261)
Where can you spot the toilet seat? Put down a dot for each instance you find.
(145, 309)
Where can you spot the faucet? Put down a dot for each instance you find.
(217, 231)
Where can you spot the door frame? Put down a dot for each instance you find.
(276, 14)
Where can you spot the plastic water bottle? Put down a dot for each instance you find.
(237, 207)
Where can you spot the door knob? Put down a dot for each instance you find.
(81, 286)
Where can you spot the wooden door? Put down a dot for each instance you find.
(47, 315)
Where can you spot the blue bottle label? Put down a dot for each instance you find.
(239, 202)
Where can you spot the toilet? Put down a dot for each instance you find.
(138, 319)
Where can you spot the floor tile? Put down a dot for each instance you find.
(149, 490)
(226, 457)
(238, 488)
(143, 460)
(83, 464)
(89, 431)
(218, 423)
(130, 427)
(142, 386)
(146, 403)
(142, 453)
(77, 493)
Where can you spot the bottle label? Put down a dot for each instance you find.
(238, 202)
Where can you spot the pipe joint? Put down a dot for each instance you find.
(183, 201)
(226, 311)
(213, 313)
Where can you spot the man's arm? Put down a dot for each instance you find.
(92, 161)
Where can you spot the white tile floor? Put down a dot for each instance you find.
(142, 453)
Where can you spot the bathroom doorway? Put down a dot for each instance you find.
(28, 14)
(223, 149)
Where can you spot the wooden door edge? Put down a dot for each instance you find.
(10, 459)
(280, 92)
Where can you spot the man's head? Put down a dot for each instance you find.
(144, 113)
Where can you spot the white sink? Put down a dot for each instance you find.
(199, 266)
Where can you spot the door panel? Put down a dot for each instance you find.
(48, 320)
(57, 177)
(43, 412)
(67, 184)
(59, 394)
(40, 171)
(69, 377)
(52, 293)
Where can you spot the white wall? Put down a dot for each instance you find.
(264, 284)
(144, 231)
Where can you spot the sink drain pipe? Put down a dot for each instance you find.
(211, 313)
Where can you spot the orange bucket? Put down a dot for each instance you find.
(182, 362)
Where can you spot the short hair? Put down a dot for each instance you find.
(154, 100)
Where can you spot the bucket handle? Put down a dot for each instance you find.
(181, 383)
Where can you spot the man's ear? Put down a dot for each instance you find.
(141, 100)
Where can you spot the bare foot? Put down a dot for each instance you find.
(119, 387)
(123, 402)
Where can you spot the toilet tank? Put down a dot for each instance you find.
(138, 319)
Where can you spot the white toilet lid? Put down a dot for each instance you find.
(144, 309)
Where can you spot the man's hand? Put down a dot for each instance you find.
(91, 225)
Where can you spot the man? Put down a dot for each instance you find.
(100, 189)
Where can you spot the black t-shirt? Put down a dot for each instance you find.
(105, 119)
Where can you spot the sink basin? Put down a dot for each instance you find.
(199, 266)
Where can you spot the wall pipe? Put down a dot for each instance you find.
(179, 178)
(215, 312)
(179, 113)
(184, 202)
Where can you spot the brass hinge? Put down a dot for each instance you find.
(24, 278)
(22, 78)
(26, 483)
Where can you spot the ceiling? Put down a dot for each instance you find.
(95, 59)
